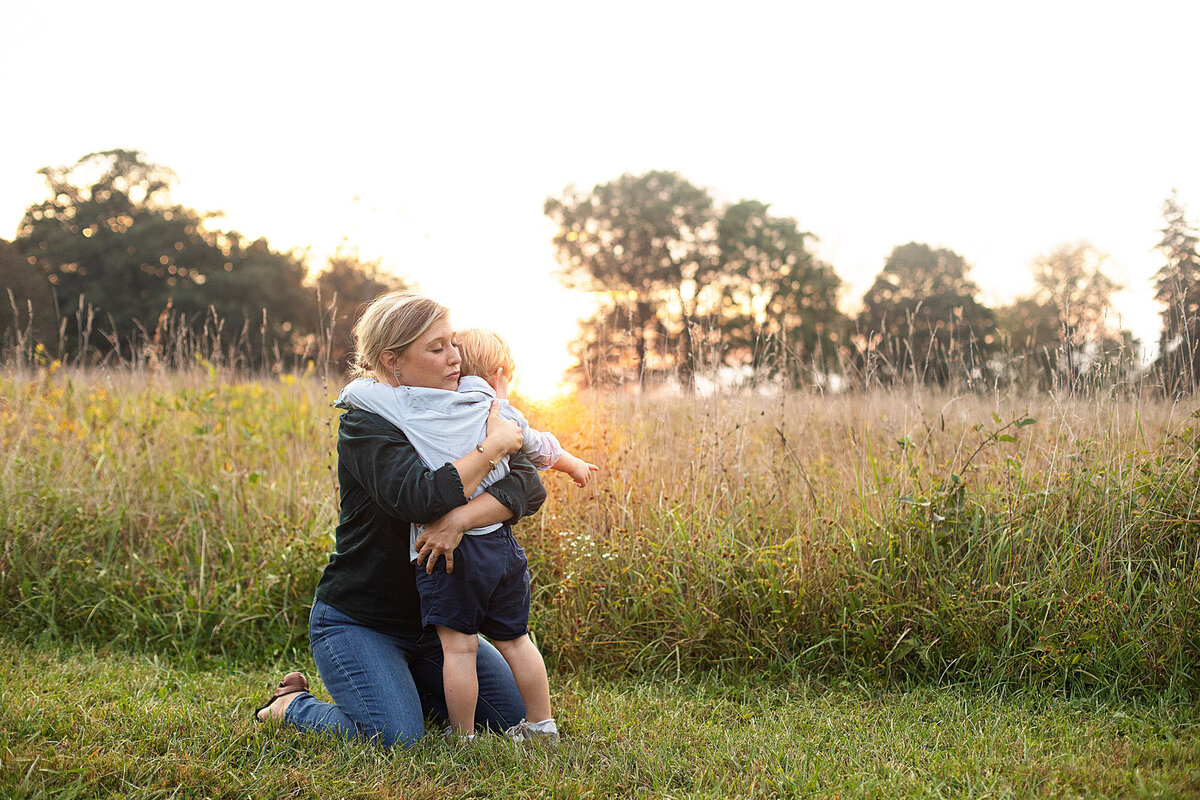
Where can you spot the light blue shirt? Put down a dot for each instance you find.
(444, 426)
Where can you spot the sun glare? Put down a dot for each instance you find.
(537, 321)
(541, 386)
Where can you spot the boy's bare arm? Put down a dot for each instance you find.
(579, 470)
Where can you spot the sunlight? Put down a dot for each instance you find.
(537, 320)
(541, 385)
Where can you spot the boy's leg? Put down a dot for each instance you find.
(529, 670)
(500, 705)
(459, 678)
(445, 603)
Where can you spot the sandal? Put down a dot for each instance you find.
(292, 683)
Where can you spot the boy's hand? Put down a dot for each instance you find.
(580, 470)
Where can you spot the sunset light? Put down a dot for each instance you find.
(853, 357)
(916, 124)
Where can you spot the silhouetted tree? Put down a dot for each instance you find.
(1177, 287)
(778, 304)
(1031, 339)
(26, 304)
(108, 233)
(345, 287)
(1071, 284)
(645, 242)
(680, 282)
(920, 319)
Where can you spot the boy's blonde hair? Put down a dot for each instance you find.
(392, 321)
(483, 352)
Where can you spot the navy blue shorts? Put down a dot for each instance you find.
(487, 593)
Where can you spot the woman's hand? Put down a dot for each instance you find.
(508, 437)
(440, 537)
(503, 437)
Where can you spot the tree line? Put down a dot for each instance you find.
(685, 285)
(108, 266)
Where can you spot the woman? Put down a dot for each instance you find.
(383, 671)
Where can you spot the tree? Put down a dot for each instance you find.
(778, 304)
(920, 318)
(30, 303)
(1071, 285)
(645, 244)
(680, 282)
(1032, 337)
(109, 236)
(1177, 287)
(344, 287)
(606, 348)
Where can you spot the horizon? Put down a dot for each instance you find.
(429, 140)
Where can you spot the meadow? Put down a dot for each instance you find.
(894, 565)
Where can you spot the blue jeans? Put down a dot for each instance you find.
(385, 682)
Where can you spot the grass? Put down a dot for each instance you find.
(887, 594)
(903, 537)
(78, 722)
(1028, 541)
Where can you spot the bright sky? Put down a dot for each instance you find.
(430, 134)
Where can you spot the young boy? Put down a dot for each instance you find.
(489, 590)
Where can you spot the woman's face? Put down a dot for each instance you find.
(431, 361)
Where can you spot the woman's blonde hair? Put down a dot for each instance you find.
(392, 321)
(482, 352)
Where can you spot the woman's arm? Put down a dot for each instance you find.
(518, 494)
(381, 459)
(521, 490)
(385, 463)
(503, 437)
(440, 537)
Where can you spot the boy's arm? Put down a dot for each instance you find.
(542, 449)
(378, 398)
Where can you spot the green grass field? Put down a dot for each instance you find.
(78, 723)
(905, 593)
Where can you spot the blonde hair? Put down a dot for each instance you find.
(392, 321)
(483, 352)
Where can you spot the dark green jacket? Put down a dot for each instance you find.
(384, 487)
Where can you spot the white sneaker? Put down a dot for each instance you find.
(524, 731)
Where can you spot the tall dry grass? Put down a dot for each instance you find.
(906, 534)
(171, 510)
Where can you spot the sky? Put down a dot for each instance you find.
(429, 135)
